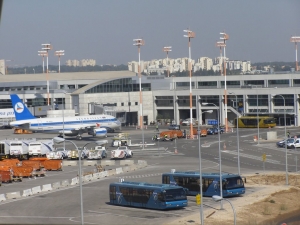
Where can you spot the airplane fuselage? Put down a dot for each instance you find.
(68, 124)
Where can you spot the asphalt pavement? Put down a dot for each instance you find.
(62, 206)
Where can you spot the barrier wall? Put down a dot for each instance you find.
(126, 162)
(46, 187)
(89, 163)
(36, 190)
(13, 195)
(27, 193)
(111, 172)
(119, 170)
(74, 181)
(2, 197)
(69, 163)
(65, 183)
(56, 185)
(108, 162)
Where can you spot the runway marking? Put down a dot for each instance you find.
(253, 157)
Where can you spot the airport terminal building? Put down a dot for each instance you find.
(117, 93)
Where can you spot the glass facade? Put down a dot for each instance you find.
(254, 82)
(231, 83)
(164, 101)
(119, 85)
(207, 84)
(262, 100)
(278, 100)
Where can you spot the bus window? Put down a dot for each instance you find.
(174, 195)
(179, 181)
(234, 182)
(166, 179)
(206, 182)
(112, 192)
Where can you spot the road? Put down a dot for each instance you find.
(62, 206)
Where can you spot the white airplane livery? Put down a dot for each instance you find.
(94, 125)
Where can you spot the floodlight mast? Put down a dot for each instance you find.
(190, 34)
(225, 37)
(140, 42)
(220, 44)
(47, 47)
(296, 40)
(167, 49)
(59, 53)
(43, 54)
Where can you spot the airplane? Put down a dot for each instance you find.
(94, 125)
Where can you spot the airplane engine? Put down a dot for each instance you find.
(100, 132)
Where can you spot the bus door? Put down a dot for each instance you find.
(113, 196)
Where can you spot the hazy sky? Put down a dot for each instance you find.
(259, 30)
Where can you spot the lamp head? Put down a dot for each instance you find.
(204, 103)
(217, 198)
(58, 140)
(209, 111)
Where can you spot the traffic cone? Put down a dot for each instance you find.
(175, 151)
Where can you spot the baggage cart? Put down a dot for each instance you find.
(22, 171)
(53, 165)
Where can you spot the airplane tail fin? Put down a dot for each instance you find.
(20, 110)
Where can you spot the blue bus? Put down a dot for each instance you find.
(232, 184)
(145, 195)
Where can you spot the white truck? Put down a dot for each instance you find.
(99, 152)
(4, 149)
(121, 152)
(40, 148)
(18, 149)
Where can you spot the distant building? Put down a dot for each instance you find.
(2, 66)
(83, 62)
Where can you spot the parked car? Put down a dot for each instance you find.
(211, 131)
(281, 143)
(187, 122)
(121, 152)
(174, 127)
(295, 144)
(63, 151)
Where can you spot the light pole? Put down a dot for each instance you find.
(220, 44)
(190, 34)
(218, 198)
(295, 40)
(286, 153)
(237, 134)
(59, 54)
(200, 170)
(257, 119)
(220, 154)
(33, 70)
(59, 140)
(167, 49)
(47, 47)
(225, 38)
(174, 99)
(139, 43)
(43, 54)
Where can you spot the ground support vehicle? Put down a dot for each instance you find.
(53, 165)
(38, 170)
(40, 148)
(232, 184)
(281, 144)
(22, 171)
(146, 195)
(171, 134)
(63, 152)
(18, 149)
(98, 153)
(122, 152)
(74, 154)
(6, 176)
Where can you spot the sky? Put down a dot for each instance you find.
(259, 30)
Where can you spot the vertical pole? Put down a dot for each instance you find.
(225, 91)
(80, 186)
(58, 63)
(296, 57)
(168, 63)
(174, 99)
(264, 167)
(220, 161)
(191, 98)
(64, 124)
(286, 155)
(48, 101)
(200, 173)
(238, 139)
(257, 119)
(296, 163)
(141, 97)
(43, 65)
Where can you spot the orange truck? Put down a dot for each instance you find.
(172, 134)
(203, 132)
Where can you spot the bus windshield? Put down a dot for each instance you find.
(234, 182)
(174, 195)
(269, 121)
